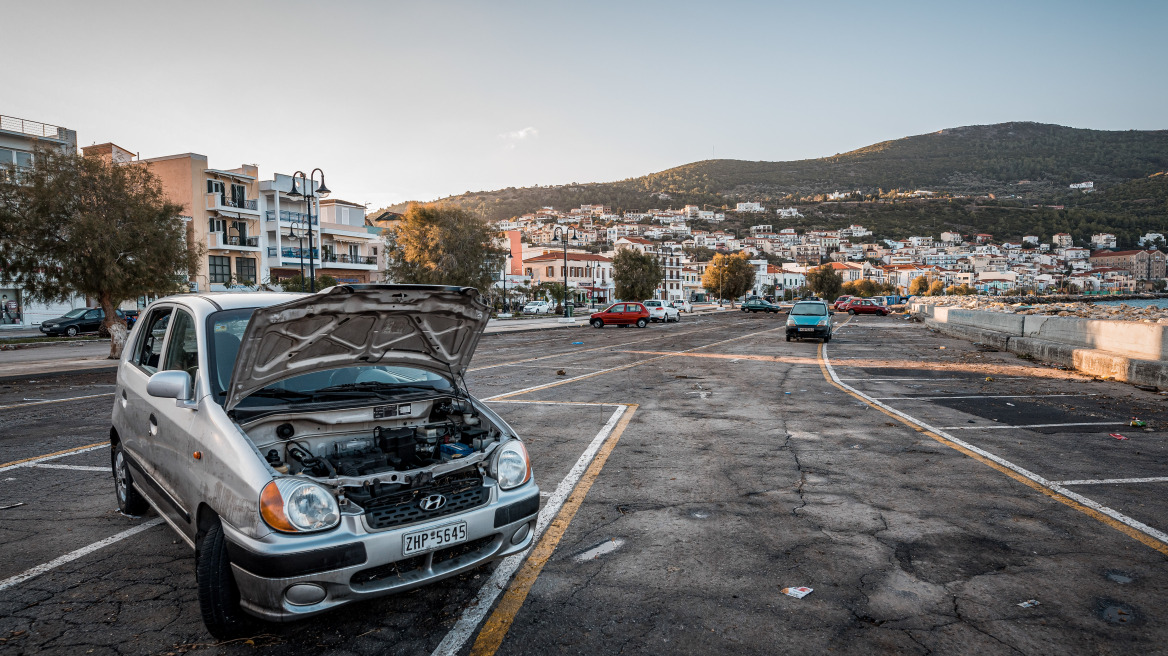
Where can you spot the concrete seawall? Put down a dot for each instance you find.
(1124, 350)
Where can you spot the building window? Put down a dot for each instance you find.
(245, 270)
(219, 268)
(527, 272)
(551, 272)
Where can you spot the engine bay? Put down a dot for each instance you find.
(370, 452)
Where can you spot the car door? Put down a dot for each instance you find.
(90, 321)
(134, 428)
(170, 423)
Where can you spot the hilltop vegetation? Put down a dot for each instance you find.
(1020, 164)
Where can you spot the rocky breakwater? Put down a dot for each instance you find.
(1079, 309)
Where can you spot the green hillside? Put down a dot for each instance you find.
(1021, 164)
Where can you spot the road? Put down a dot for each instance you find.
(922, 492)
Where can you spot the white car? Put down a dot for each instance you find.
(661, 311)
(682, 306)
(537, 307)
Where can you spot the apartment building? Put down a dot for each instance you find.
(19, 140)
(1143, 265)
(225, 216)
(589, 275)
(349, 251)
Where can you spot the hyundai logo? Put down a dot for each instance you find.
(432, 502)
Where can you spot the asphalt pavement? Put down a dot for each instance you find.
(922, 493)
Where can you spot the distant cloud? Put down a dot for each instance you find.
(527, 132)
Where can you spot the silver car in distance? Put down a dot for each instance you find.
(317, 449)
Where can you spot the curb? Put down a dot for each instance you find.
(28, 345)
(9, 378)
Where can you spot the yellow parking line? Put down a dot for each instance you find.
(497, 625)
(1090, 512)
(51, 455)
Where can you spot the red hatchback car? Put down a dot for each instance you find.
(621, 314)
(864, 306)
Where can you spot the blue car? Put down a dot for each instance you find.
(809, 319)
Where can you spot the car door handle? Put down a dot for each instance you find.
(153, 424)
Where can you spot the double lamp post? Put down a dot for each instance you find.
(556, 236)
(311, 193)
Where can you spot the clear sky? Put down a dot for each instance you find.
(400, 101)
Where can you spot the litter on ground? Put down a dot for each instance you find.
(1117, 436)
(798, 593)
(1030, 603)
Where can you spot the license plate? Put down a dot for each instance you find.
(433, 538)
(806, 330)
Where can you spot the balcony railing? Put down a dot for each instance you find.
(33, 128)
(295, 252)
(216, 201)
(345, 258)
(290, 216)
(220, 240)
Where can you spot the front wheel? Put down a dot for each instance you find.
(218, 594)
(852, 312)
(641, 323)
(71, 331)
(788, 338)
(597, 323)
(827, 339)
(130, 501)
(677, 319)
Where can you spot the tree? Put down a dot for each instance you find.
(825, 282)
(936, 288)
(919, 286)
(87, 226)
(300, 284)
(438, 244)
(729, 276)
(636, 274)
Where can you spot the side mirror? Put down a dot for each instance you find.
(170, 385)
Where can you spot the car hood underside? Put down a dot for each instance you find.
(424, 326)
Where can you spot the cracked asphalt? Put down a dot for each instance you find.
(743, 471)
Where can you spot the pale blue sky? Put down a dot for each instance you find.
(400, 101)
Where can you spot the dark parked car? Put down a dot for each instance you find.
(621, 314)
(758, 305)
(76, 321)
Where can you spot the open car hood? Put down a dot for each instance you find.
(425, 326)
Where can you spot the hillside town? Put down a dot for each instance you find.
(783, 255)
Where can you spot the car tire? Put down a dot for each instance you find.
(641, 323)
(677, 319)
(852, 312)
(130, 501)
(71, 331)
(597, 323)
(218, 593)
(788, 338)
(827, 339)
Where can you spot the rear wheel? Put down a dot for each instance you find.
(641, 323)
(218, 594)
(597, 323)
(130, 501)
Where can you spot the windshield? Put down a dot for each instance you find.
(809, 309)
(73, 314)
(225, 330)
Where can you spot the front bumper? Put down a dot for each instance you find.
(278, 575)
(801, 331)
(56, 330)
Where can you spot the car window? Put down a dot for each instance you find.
(815, 309)
(92, 314)
(182, 349)
(653, 303)
(148, 351)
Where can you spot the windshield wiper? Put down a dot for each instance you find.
(374, 386)
(277, 393)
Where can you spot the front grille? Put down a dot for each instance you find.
(373, 575)
(402, 508)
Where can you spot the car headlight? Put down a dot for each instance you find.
(294, 505)
(511, 466)
(822, 322)
(791, 322)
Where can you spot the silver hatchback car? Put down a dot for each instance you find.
(317, 449)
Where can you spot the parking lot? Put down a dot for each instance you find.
(922, 486)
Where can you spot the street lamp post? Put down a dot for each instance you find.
(311, 193)
(299, 247)
(556, 237)
(506, 269)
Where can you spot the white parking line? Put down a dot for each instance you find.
(1147, 531)
(999, 426)
(47, 401)
(1110, 481)
(73, 467)
(78, 553)
(978, 396)
(490, 591)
